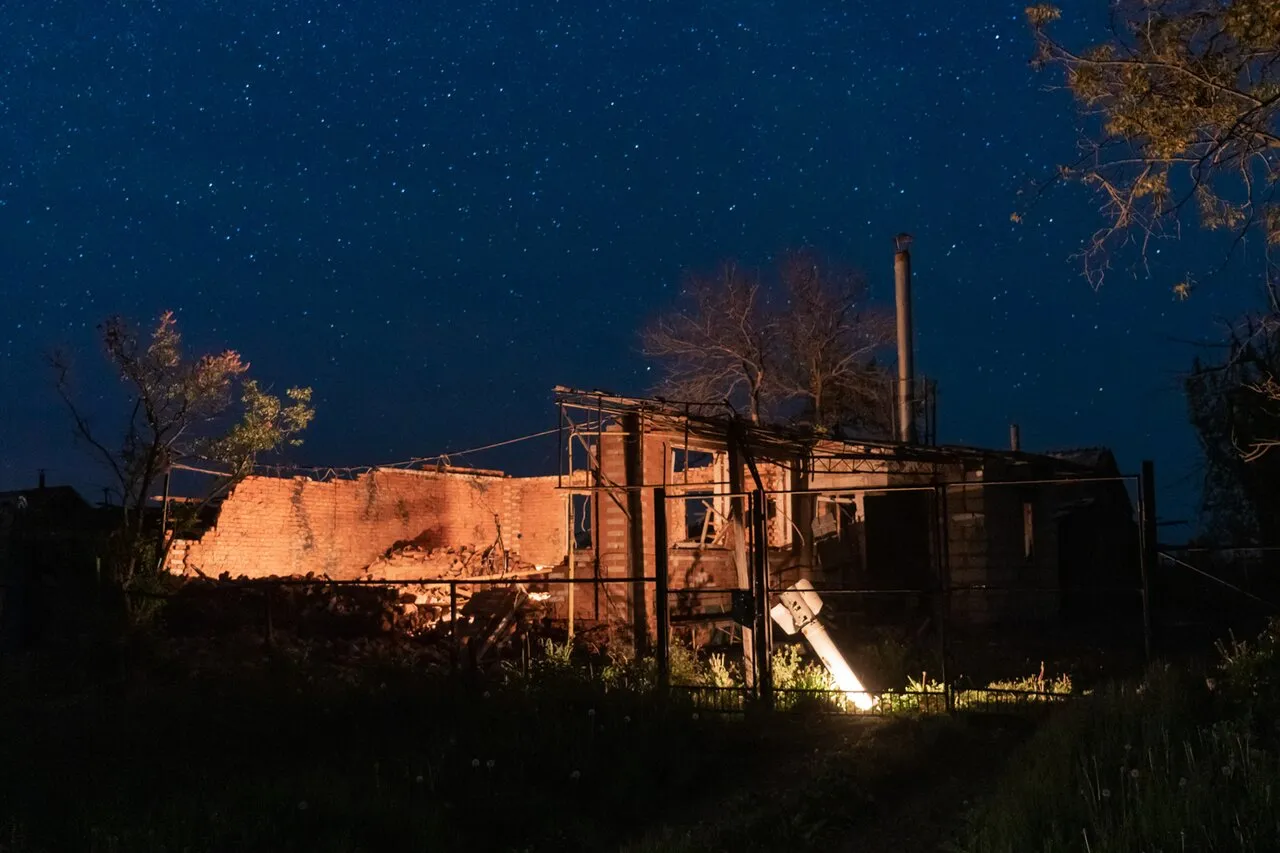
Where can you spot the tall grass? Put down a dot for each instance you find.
(1173, 763)
(555, 760)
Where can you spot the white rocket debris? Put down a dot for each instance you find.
(798, 611)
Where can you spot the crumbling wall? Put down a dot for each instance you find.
(274, 526)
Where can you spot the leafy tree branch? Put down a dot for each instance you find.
(182, 409)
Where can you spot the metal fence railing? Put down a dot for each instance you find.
(942, 594)
(967, 587)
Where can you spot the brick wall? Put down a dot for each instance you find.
(538, 512)
(273, 526)
(612, 535)
(987, 546)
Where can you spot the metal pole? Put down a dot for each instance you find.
(572, 542)
(633, 462)
(933, 412)
(595, 547)
(1148, 546)
(741, 562)
(944, 590)
(760, 564)
(268, 636)
(661, 594)
(164, 512)
(162, 534)
(906, 359)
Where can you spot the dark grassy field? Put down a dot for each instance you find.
(1186, 758)
(277, 753)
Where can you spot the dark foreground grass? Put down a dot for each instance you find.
(882, 785)
(280, 753)
(276, 762)
(330, 747)
(1176, 762)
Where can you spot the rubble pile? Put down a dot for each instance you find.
(411, 560)
(315, 609)
(429, 603)
(205, 607)
(399, 605)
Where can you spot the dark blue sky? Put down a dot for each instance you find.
(433, 212)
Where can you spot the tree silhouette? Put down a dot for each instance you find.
(799, 346)
(1185, 102)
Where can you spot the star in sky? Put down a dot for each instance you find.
(434, 212)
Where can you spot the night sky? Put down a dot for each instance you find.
(433, 212)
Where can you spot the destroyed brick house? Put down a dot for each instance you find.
(1014, 535)
(985, 536)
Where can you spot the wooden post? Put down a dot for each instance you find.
(661, 601)
(1148, 546)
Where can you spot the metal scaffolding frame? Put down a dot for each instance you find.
(587, 416)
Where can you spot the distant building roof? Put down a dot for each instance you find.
(1099, 459)
(44, 500)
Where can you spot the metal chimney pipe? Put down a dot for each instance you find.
(41, 478)
(906, 356)
(1015, 438)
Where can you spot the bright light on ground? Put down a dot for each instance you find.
(798, 611)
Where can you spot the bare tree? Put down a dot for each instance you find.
(829, 337)
(1185, 98)
(720, 345)
(801, 344)
(181, 409)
